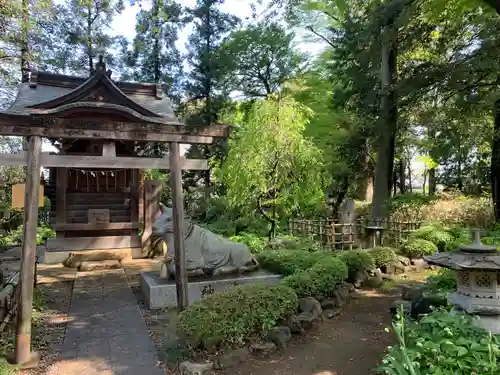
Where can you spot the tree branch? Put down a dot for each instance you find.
(310, 28)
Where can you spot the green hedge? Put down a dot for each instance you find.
(383, 256)
(229, 318)
(436, 234)
(319, 280)
(417, 248)
(287, 262)
(357, 260)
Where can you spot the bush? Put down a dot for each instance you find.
(444, 282)
(357, 260)
(435, 234)
(229, 318)
(255, 243)
(16, 236)
(383, 256)
(319, 280)
(441, 344)
(417, 248)
(287, 262)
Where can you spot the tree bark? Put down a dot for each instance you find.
(495, 162)
(387, 139)
(25, 58)
(402, 176)
(432, 181)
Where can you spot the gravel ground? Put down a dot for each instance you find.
(49, 334)
(352, 343)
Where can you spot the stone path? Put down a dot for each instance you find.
(105, 334)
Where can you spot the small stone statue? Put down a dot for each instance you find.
(206, 252)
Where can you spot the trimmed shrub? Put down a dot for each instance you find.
(417, 248)
(319, 280)
(357, 260)
(435, 234)
(229, 318)
(444, 281)
(383, 256)
(287, 262)
(255, 243)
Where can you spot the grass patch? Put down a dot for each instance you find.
(7, 336)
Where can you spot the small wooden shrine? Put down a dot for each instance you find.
(100, 127)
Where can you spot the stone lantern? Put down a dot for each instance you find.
(478, 281)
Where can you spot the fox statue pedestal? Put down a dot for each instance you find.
(213, 264)
(161, 292)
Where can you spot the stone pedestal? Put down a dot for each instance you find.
(161, 292)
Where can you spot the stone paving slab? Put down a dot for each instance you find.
(106, 333)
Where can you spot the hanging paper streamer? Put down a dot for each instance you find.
(93, 174)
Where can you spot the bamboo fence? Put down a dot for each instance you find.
(346, 236)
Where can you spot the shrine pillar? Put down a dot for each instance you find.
(152, 194)
(61, 190)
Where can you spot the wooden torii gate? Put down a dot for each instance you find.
(93, 108)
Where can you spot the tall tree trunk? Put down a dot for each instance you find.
(410, 180)
(208, 94)
(432, 181)
(402, 176)
(25, 52)
(387, 139)
(156, 36)
(90, 48)
(495, 162)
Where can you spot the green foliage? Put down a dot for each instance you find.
(255, 243)
(383, 256)
(418, 247)
(319, 280)
(231, 317)
(440, 344)
(357, 260)
(283, 171)
(15, 237)
(444, 282)
(218, 216)
(260, 59)
(287, 262)
(435, 234)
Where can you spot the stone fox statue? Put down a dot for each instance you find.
(206, 252)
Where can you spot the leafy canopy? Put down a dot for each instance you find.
(272, 160)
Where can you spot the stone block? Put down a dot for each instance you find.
(161, 293)
(99, 265)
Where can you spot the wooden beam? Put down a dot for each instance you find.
(181, 280)
(93, 243)
(23, 353)
(79, 161)
(159, 128)
(97, 226)
(26, 130)
(61, 187)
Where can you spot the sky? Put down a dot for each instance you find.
(124, 24)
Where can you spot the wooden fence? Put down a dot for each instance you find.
(10, 291)
(9, 300)
(342, 236)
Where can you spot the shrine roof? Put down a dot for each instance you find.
(48, 94)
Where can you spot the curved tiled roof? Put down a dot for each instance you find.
(49, 91)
